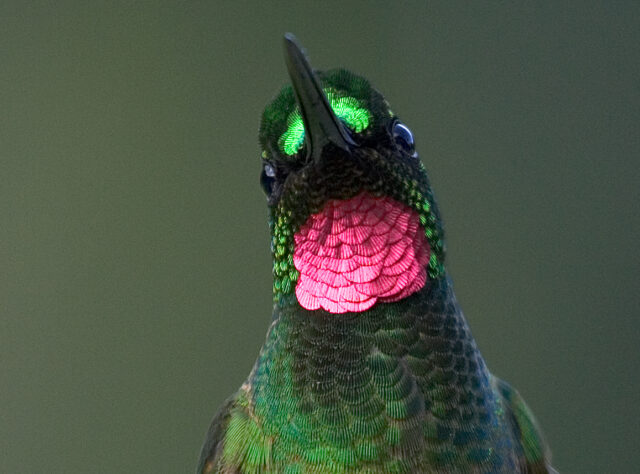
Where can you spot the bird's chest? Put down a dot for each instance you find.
(365, 393)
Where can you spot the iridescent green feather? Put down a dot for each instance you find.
(347, 108)
(400, 388)
(536, 451)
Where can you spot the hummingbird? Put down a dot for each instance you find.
(368, 364)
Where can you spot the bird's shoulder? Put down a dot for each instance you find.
(536, 452)
(235, 442)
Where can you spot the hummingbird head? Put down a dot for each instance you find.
(352, 215)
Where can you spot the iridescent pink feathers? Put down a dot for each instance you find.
(357, 252)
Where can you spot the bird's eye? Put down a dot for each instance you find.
(404, 138)
(268, 178)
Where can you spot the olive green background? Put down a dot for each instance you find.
(134, 258)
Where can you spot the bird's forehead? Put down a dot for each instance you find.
(351, 97)
(354, 113)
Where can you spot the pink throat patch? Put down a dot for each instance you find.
(357, 252)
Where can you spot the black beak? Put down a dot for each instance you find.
(321, 125)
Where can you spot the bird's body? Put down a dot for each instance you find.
(369, 365)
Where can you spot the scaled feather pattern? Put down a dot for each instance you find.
(359, 251)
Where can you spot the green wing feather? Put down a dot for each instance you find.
(235, 442)
(211, 452)
(537, 456)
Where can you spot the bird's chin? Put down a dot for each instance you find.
(360, 251)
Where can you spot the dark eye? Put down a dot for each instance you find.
(267, 178)
(404, 138)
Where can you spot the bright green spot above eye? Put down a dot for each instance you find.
(347, 109)
(291, 140)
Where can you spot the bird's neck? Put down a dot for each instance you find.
(327, 378)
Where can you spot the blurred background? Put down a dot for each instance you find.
(135, 281)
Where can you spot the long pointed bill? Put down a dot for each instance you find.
(321, 125)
